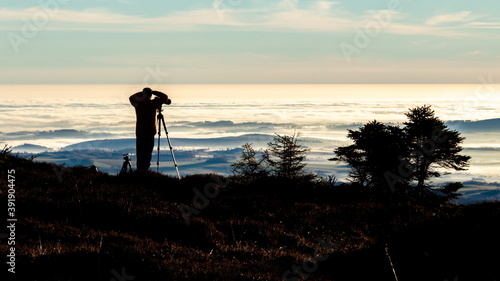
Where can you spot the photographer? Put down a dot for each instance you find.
(145, 110)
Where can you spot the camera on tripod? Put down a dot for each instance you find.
(126, 157)
(168, 102)
(126, 167)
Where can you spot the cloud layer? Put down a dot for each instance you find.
(252, 42)
(318, 16)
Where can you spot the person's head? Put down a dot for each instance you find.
(148, 92)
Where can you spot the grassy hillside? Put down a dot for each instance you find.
(78, 224)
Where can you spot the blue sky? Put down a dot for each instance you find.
(248, 41)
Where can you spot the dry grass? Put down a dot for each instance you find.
(91, 223)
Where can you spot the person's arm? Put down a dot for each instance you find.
(162, 98)
(136, 98)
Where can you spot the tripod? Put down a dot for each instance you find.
(126, 167)
(161, 121)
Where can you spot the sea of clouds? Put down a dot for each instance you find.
(207, 134)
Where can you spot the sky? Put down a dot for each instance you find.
(248, 42)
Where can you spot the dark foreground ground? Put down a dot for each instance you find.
(77, 224)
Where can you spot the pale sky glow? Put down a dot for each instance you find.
(248, 42)
(466, 94)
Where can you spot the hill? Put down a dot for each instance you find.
(488, 125)
(31, 148)
(258, 140)
(79, 224)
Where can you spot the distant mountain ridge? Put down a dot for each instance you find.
(488, 125)
(31, 148)
(258, 140)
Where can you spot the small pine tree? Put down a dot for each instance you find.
(249, 166)
(285, 156)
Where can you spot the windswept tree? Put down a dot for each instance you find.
(384, 155)
(432, 145)
(376, 150)
(249, 166)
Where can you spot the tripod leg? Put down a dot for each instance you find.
(171, 148)
(160, 117)
(124, 168)
(173, 158)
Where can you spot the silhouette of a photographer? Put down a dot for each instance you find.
(145, 130)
